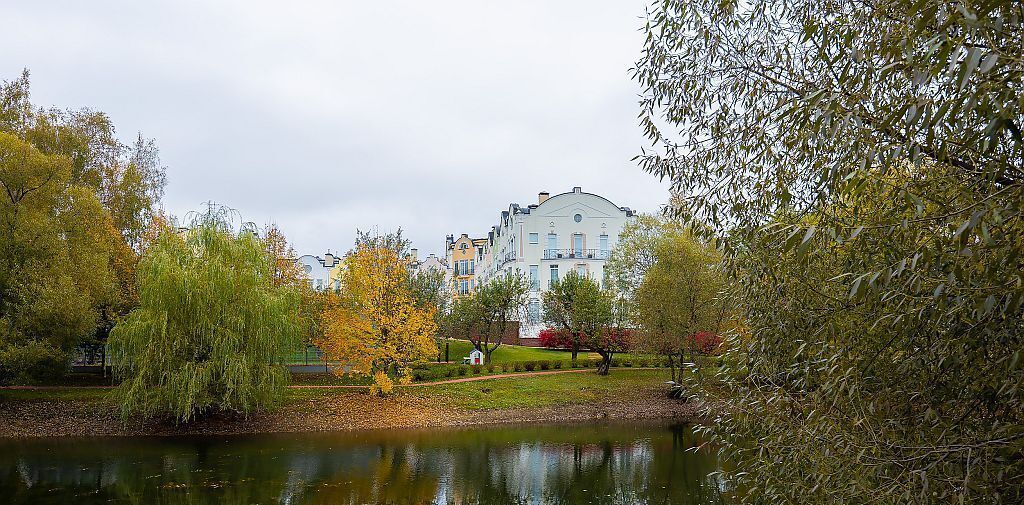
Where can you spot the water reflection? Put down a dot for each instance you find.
(550, 465)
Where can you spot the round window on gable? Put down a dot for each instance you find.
(309, 269)
(577, 218)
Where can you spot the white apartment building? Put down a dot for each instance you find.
(319, 270)
(567, 231)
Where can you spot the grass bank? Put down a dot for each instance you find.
(625, 394)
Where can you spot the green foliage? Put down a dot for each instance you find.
(865, 164)
(33, 362)
(54, 254)
(681, 294)
(486, 316)
(74, 209)
(577, 305)
(209, 328)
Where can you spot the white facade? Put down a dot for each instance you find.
(568, 231)
(431, 262)
(318, 269)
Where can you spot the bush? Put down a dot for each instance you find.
(449, 371)
(544, 365)
(505, 367)
(557, 364)
(642, 363)
(530, 365)
(477, 369)
(517, 366)
(382, 384)
(490, 368)
(575, 364)
(627, 363)
(615, 362)
(31, 363)
(705, 342)
(554, 339)
(463, 369)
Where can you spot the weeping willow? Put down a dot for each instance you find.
(210, 327)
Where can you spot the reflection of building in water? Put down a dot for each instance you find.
(564, 465)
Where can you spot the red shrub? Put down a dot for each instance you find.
(704, 342)
(554, 339)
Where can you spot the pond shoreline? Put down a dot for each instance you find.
(325, 410)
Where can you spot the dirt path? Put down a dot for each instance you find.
(450, 381)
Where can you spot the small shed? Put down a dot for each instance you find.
(475, 358)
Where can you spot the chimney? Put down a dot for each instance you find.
(329, 260)
(577, 189)
(415, 253)
(542, 196)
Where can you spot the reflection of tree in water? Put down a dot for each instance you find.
(581, 464)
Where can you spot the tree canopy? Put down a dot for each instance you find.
(576, 305)
(495, 308)
(76, 204)
(377, 327)
(210, 328)
(863, 164)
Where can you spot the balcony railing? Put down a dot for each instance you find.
(509, 257)
(589, 254)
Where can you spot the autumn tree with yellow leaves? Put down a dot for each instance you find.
(377, 327)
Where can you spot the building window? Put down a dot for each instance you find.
(534, 277)
(577, 218)
(554, 275)
(463, 287)
(577, 244)
(535, 238)
(604, 245)
(581, 268)
(472, 267)
(552, 245)
(533, 313)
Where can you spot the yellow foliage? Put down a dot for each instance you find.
(376, 325)
(382, 384)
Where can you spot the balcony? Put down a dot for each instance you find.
(586, 254)
(508, 258)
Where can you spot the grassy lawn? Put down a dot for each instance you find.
(520, 392)
(541, 390)
(57, 394)
(501, 393)
(458, 349)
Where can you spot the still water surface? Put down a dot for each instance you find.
(570, 464)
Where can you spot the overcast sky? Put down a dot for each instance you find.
(325, 116)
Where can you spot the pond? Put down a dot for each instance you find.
(571, 464)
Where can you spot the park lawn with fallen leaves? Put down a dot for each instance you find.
(526, 391)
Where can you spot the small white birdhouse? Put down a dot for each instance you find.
(476, 357)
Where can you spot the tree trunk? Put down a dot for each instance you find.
(446, 351)
(575, 351)
(672, 366)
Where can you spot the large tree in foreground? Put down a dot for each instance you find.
(377, 327)
(865, 162)
(55, 262)
(210, 328)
